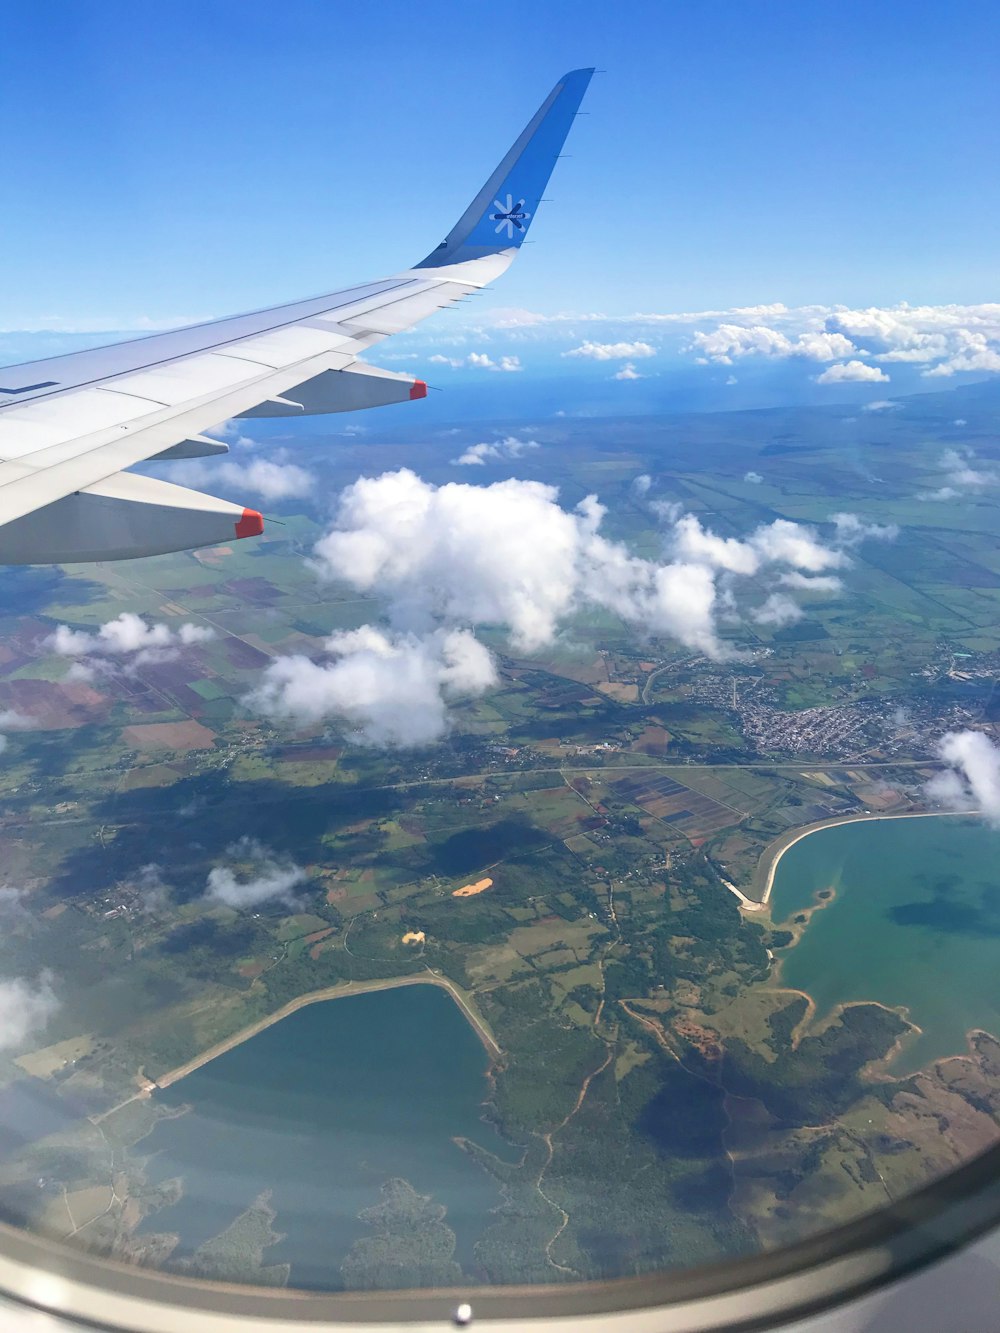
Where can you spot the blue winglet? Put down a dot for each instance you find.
(500, 215)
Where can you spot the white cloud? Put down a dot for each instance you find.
(693, 542)
(444, 558)
(621, 351)
(259, 874)
(810, 582)
(958, 465)
(477, 455)
(12, 720)
(477, 361)
(974, 353)
(880, 405)
(153, 891)
(25, 1009)
(628, 372)
(972, 779)
(268, 479)
(481, 361)
(778, 610)
(388, 690)
(780, 542)
(849, 372)
(642, 483)
(960, 476)
(754, 478)
(128, 636)
(730, 342)
(508, 554)
(851, 530)
(947, 339)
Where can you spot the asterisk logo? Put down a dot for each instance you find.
(509, 216)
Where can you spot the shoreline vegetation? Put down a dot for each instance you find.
(477, 1022)
(756, 900)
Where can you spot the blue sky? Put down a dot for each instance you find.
(197, 158)
(191, 160)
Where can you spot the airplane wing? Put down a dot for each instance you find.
(71, 425)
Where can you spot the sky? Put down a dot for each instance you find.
(170, 164)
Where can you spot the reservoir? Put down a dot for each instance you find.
(321, 1109)
(915, 921)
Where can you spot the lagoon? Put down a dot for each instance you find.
(915, 921)
(321, 1109)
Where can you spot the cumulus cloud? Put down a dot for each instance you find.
(810, 582)
(730, 342)
(127, 638)
(478, 455)
(849, 372)
(628, 372)
(26, 1007)
(478, 361)
(257, 875)
(754, 478)
(852, 530)
(944, 340)
(642, 483)
(264, 477)
(621, 351)
(505, 554)
(958, 465)
(960, 475)
(12, 720)
(153, 890)
(780, 542)
(387, 689)
(443, 559)
(974, 353)
(971, 780)
(13, 907)
(778, 610)
(880, 405)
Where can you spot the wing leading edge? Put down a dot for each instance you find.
(70, 425)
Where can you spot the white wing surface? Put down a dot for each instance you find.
(71, 425)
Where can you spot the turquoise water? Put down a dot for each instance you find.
(321, 1109)
(915, 922)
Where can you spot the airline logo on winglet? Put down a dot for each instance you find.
(509, 217)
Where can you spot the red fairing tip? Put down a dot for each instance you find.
(251, 524)
(418, 389)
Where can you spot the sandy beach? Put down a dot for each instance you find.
(772, 854)
(334, 993)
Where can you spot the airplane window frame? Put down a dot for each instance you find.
(759, 1291)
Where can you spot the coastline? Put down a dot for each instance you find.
(337, 992)
(772, 854)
